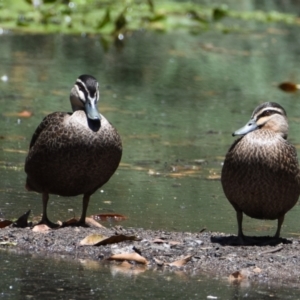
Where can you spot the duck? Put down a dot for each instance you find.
(260, 175)
(74, 153)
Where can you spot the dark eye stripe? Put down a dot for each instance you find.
(268, 112)
(81, 86)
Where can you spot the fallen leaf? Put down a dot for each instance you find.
(257, 270)
(88, 221)
(8, 243)
(92, 239)
(158, 241)
(160, 263)
(174, 243)
(5, 223)
(129, 256)
(41, 228)
(181, 262)
(91, 222)
(117, 239)
(22, 222)
(109, 217)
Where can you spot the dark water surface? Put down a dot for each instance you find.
(29, 277)
(175, 99)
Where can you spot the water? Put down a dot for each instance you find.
(174, 106)
(175, 99)
(57, 278)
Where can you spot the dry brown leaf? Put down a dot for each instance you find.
(257, 270)
(160, 263)
(88, 221)
(129, 256)
(92, 239)
(91, 222)
(109, 217)
(5, 223)
(236, 277)
(41, 228)
(174, 243)
(117, 239)
(22, 221)
(158, 241)
(181, 262)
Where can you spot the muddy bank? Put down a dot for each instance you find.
(208, 252)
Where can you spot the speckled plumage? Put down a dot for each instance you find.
(71, 155)
(260, 175)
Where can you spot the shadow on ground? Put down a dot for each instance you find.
(249, 241)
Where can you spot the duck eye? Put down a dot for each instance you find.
(267, 113)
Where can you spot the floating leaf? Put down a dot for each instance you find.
(109, 217)
(41, 228)
(14, 150)
(181, 262)
(92, 239)
(21, 114)
(128, 269)
(237, 276)
(129, 256)
(25, 114)
(5, 223)
(289, 87)
(91, 264)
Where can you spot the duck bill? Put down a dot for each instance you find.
(250, 126)
(92, 111)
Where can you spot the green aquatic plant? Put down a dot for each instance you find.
(114, 17)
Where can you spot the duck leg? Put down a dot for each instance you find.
(239, 217)
(85, 203)
(45, 219)
(279, 224)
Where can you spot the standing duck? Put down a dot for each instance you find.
(260, 175)
(73, 153)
